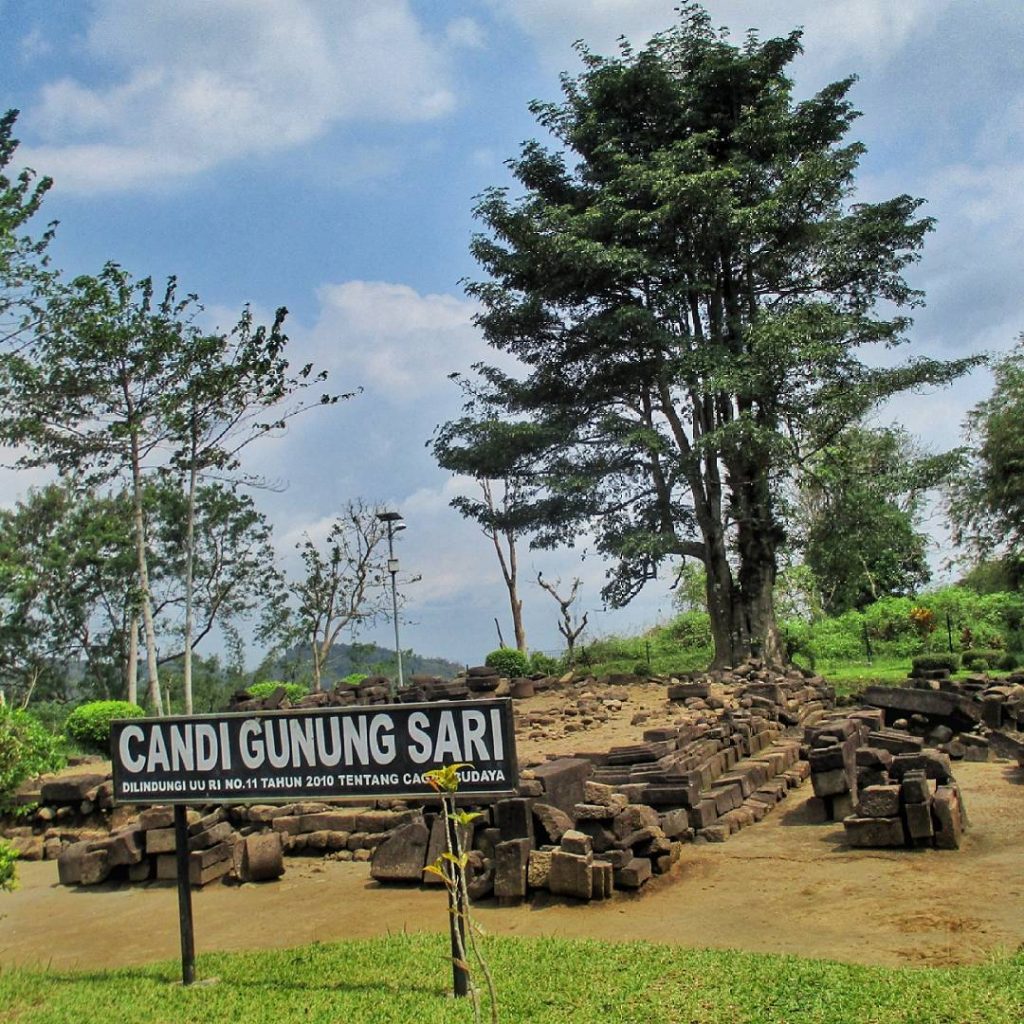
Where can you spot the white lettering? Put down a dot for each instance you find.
(419, 752)
(157, 751)
(130, 734)
(253, 752)
(383, 747)
(206, 747)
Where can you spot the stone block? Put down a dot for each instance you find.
(70, 789)
(95, 867)
(947, 818)
(401, 857)
(672, 823)
(207, 821)
(704, 814)
(538, 869)
(601, 836)
(563, 781)
(874, 832)
(830, 783)
(511, 863)
(514, 818)
(933, 763)
(550, 823)
(141, 872)
(603, 880)
(635, 816)
(879, 802)
(634, 874)
(593, 812)
(873, 757)
(571, 875)
(918, 817)
(28, 847)
(262, 857)
(817, 811)
(219, 832)
(577, 842)
(159, 840)
(69, 863)
(843, 806)
(915, 788)
(156, 817)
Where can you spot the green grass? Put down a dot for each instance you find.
(540, 981)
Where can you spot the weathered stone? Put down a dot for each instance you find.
(28, 847)
(577, 842)
(933, 763)
(879, 802)
(95, 866)
(156, 817)
(538, 869)
(960, 712)
(514, 818)
(263, 857)
(571, 874)
(634, 874)
(210, 837)
(69, 863)
(947, 818)
(601, 836)
(918, 817)
(915, 788)
(602, 880)
(511, 862)
(563, 781)
(705, 813)
(70, 789)
(160, 840)
(830, 783)
(593, 812)
(550, 823)
(401, 857)
(874, 832)
(672, 823)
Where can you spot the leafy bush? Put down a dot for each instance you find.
(934, 662)
(1007, 662)
(508, 661)
(543, 665)
(691, 630)
(293, 691)
(26, 750)
(979, 658)
(353, 678)
(642, 669)
(8, 868)
(89, 724)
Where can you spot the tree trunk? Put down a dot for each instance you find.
(153, 680)
(132, 662)
(190, 554)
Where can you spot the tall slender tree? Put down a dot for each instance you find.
(688, 286)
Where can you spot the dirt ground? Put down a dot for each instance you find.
(779, 886)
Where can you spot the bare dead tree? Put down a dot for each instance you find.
(503, 537)
(566, 627)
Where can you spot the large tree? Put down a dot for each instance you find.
(688, 287)
(24, 273)
(861, 500)
(986, 498)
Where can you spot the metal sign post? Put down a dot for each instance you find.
(188, 943)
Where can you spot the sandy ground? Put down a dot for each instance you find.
(780, 886)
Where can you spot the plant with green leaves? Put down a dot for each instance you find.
(8, 867)
(89, 724)
(986, 499)
(27, 749)
(450, 867)
(293, 691)
(508, 661)
(689, 287)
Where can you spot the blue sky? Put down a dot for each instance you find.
(324, 156)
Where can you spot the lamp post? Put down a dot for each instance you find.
(394, 524)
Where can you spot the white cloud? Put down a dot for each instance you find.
(197, 84)
(393, 341)
(836, 32)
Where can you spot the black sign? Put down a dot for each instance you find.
(364, 752)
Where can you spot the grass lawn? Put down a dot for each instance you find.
(406, 978)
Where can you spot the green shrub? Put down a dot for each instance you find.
(543, 664)
(353, 678)
(293, 691)
(979, 658)
(26, 750)
(691, 630)
(508, 661)
(8, 868)
(933, 662)
(642, 669)
(1007, 662)
(89, 724)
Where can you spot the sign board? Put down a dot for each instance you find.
(272, 756)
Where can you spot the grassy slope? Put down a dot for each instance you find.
(405, 978)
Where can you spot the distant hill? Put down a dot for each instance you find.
(345, 659)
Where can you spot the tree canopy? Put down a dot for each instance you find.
(689, 288)
(986, 498)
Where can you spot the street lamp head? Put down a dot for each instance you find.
(389, 517)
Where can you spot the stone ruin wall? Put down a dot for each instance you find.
(585, 825)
